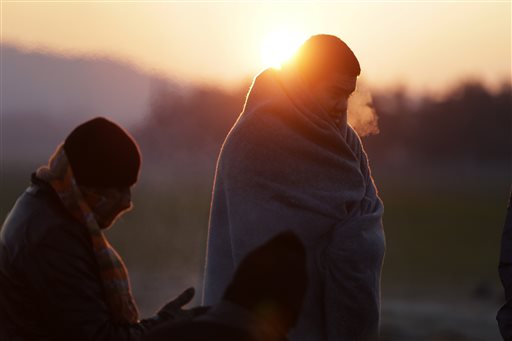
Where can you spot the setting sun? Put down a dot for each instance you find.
(280, 46)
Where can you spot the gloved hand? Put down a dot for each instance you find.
(174, 311)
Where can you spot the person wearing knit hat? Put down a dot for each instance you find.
(60, 279)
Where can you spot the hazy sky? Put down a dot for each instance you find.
(418, 44)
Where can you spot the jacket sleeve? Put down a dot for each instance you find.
(505, 269)
(64, 275)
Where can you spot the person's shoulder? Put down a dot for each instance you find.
(245, 138)
(39, 216)
(36, 219)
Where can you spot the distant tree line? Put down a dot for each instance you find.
(188, 122)
(469, 124)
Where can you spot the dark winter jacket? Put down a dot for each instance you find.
(50, 288)
(505, 269)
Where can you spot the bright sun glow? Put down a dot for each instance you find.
(280, 46)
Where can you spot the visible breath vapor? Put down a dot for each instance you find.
(361, 113)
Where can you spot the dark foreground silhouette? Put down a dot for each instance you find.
(262, 302)
(505, 269)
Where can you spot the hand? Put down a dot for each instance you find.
(174, 310)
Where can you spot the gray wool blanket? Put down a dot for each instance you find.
(287, 165)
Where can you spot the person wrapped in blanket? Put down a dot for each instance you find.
(292, 161)
(60, 279)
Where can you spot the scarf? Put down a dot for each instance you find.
(113, 273)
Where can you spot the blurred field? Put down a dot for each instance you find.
(440, 277)
(443, 232)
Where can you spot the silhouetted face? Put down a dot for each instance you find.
(108, 204)
(332, 93)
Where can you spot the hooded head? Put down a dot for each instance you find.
(322, 55)
(329, 70)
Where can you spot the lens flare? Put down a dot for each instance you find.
(280, 46)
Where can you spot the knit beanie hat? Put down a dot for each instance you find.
(272, 279)
(102, 154)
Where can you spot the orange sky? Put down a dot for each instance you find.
(423, 45)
